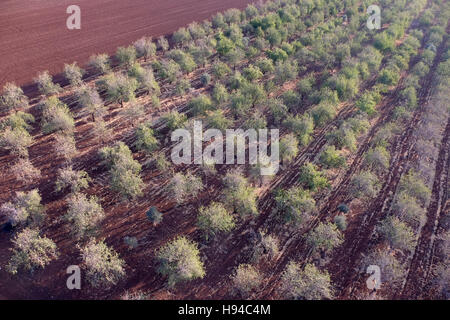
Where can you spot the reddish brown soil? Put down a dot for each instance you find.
(34, 36)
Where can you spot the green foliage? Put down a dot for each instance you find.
(277, 55)
(341, 222)
(397, 233)
(364, 185)
(214, 219)
(413, 185)
(26, 209)
(330, 158)
(220, 69)
(296, 205)
(239, 195)
(74, 74)
(220, 94)
(174, 120)
(184, 186)
(367, 103)
(180, 261)
(100, 63)
(181, 36)
(288, 148)
(377, 159)
(56, 116)
(384, 42)
(312, 178)
(308, 284)
(145, 48)
(185, 60)
(285, 71)
(31, 251)
(145, 139)
(126, 55)
(89, 99)
(218, 120)
(200, 104)
(154, 216)
(408, 210)
(389, 76)
(323, 113)
(17, 140)
(265, 65)
(124, 170)
(13, 98)
(246, 279)
(325, 237)
(103, 264)
(45, 84)
(252, 73)
(302, 126)
(69, 178)
(84, 214)
(119, 88)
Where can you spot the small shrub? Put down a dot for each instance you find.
(154, 216)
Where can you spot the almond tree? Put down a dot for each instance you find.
(100, 63)
(124, 170)
(183, 187)
(103, 265)
(145, 48)
(180, 261)
(126, 55)
(45, 84)
(309, 283)
(119, 88)
(25, 171)
(89, 99)
(325, 237)
(69, 178)
(16, 140)
(246, 279)
(74, 74)
(214, 219)
(84, 214)
(56, 116)
(31, 251)
(13, 98)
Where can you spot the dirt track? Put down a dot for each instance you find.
(34, 37)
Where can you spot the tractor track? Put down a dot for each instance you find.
(421, 262)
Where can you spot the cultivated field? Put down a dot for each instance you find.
(34, 36)
(363, 119)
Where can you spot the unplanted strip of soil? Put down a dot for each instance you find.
(35, 38)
